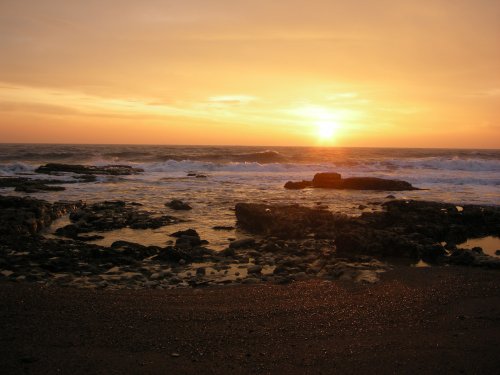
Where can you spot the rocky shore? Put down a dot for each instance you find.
(283, 244)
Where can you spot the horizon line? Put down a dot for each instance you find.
(234, 145)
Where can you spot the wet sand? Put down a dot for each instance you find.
(416, 320)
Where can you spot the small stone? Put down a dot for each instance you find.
(255, 269)
(176, 204)
(175, 355)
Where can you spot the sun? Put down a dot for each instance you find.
(326, 129)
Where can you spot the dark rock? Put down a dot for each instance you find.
(242, 243)
(298, 185)
(111, 215)
(405, 228)
(173, 254)
(373, 183)
(462, 257)
(335, 181)
(187, 232)
(229, 252)
(189, 241)
(177, 204)
(27, 216)
(326, 180)
(221, 227)
(88, 169)
(497, 252)
(290, 221)
(477, 250)
(255, 269)
(28, 185)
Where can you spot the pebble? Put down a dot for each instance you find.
(255, 269)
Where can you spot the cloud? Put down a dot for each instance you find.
(232, 99)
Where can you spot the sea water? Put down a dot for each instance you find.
(253, 174)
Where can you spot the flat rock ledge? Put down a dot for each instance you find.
(334, 180)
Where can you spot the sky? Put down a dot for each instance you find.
(385, 73)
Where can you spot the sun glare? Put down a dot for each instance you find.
(326, 129)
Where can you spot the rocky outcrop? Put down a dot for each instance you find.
(110, 215)
(335, 181)
(23, 216)
(414, 229)
(54, 168)
(291, 221)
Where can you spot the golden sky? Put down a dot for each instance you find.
(396, 73)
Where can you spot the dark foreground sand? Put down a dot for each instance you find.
(434, 320)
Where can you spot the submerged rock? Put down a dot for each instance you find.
(176, 204)
(335, 181)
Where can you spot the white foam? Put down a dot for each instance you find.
(13, 168)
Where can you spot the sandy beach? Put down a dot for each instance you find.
(416, 320)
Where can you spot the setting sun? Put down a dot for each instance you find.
(326, 129)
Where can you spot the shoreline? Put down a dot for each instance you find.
(416, 320)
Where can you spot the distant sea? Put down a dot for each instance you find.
(256, 174)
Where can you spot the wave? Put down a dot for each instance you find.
(471, 165)
(15, 168)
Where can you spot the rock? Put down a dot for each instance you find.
(111, 215)
(298, 185)
(242, 243)
(373, 183)
(27, 216)
(201, 271)
(187, 232)
(390, 196)
(497, 252)
(28, 185)
(326, 180)
(114, 170)
(462, 257)
(229, 252)
(176, 204)
(335, 181)
(290, 221)
(221, 227)
(255, 269)
(189, 241)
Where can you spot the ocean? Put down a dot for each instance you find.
(253, 174)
